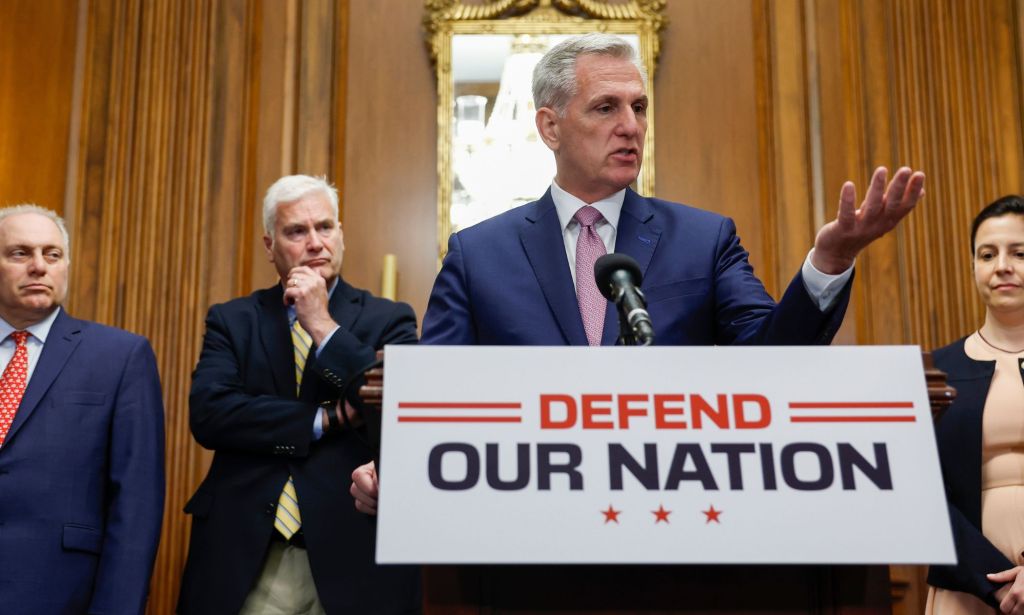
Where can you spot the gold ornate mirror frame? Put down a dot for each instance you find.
(446, 19)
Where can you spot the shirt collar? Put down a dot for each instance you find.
(330, 293)
(39, 330)
(567, 205)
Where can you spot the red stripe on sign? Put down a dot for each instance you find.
(460, 419)
(457, 405)
(824, 405)
(852, 419)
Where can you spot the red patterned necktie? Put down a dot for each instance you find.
(12, 383)
(589, 247)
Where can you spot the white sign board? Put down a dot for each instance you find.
(659, 455)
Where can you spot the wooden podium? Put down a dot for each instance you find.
(660, 589)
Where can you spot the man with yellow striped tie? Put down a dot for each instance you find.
(273, 528)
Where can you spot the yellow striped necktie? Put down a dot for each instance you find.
(287, 519)
(301, 342)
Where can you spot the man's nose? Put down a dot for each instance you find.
(37, 264)
(315, 243)
(629, 123)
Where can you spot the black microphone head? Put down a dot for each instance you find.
(608, 264)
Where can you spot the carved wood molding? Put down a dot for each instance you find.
(441, 14)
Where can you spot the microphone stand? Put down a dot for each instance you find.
(626, 336)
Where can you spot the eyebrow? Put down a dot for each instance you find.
(32, 246)
(1016, 244)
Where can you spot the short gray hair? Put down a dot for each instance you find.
(31, 208)
(292, 188)
(554, 77)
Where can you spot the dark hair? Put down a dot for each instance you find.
(1004, 205)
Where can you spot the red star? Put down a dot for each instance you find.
(611, 514)
(661, 514)
(712, 515)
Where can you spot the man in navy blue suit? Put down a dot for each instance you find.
(524, 277)
(513, 279)
(81, 439)
(273, 529)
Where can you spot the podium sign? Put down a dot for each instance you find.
(659, 455)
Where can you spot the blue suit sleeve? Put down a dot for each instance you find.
(449, 318)
(135, 489)
(746, 314)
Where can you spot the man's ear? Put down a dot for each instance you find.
(268, 243)
(547, 127)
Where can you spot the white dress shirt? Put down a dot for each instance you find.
(34, 342)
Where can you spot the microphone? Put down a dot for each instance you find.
(618, 278)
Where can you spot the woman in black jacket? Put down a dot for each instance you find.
(981, 436)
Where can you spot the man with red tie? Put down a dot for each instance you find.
(81, 439)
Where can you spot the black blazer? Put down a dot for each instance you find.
(959, 439)
(243, 406)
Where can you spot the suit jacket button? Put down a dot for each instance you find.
(271, 507)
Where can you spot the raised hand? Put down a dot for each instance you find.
(307, 291)
(840, 241)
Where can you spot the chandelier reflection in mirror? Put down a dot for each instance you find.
(499, 162)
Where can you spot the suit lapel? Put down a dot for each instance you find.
(545, 249)
(638, 237)
(276, 339)
(61, 341)
(344, 305)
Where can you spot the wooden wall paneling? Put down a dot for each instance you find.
(767, 138)
(316, 75)
(92, 97)
(919, 107)
(1005, 108)
(390, 182)
(834, 123)
(707, 116)
(1018, 61)
(967, 130)
(878, 290)
(339, 97)
(943, 113)
(38, 40)
(272, 140)
(226, 182)
(786, 157)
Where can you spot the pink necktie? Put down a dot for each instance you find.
(12, 383)
(589, 248)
